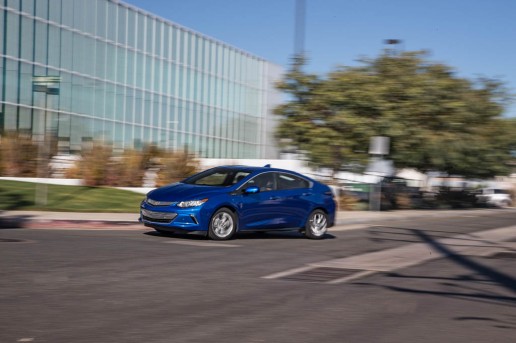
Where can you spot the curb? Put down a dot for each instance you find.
(22, 223)
(83, 224)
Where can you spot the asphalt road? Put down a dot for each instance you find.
(440, 279)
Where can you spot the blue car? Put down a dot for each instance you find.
(224, 200)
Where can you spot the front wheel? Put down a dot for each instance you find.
(316, 225)
(222, 225)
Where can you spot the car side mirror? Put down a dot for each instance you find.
(251, 190)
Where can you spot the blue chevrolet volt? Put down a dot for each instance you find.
(224, 200)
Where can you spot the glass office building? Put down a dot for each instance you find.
(87, 70)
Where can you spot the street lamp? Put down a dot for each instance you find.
(395, 43)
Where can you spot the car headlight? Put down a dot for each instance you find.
(192, 203)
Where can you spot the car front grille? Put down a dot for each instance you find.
(158, 217)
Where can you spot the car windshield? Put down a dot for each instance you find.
(221, 177)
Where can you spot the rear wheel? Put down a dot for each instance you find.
(222, 225)
(316, 225)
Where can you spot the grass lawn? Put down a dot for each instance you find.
(16, 195)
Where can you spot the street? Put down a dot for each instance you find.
(436, 279)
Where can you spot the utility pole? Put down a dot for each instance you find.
(299, 34)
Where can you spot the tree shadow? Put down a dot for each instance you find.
(504, 280)
(407, 235)
(479, 283)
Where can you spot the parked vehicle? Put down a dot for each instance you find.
(224, 200)
(495, 197)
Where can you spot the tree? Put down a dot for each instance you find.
(308, 124)
(436, 120)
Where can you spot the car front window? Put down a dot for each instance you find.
(265, 182)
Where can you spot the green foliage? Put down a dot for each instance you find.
(20, 196)
(436, 120)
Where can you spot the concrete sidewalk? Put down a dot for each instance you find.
(38, 219)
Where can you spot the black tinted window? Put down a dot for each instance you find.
(289, 181)
(263, 181)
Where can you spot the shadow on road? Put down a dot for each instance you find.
(476, 284)
(14, 222)
(240, 235)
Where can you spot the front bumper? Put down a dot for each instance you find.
(157, 217)
(184, 220)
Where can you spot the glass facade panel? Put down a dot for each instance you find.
(54, 13)
(128, 78)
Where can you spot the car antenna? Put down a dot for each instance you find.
(267, 166)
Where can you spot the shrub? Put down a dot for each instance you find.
(127, 170)
(94, 164)
(19, 156)
(98, 166)
(175, 166)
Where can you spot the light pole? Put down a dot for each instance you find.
(299, 34)
(50, 86)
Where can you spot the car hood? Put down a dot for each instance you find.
(182, 191)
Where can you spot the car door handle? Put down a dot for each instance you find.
(307, 194)
(274, 198)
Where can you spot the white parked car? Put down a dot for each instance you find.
(495, 197)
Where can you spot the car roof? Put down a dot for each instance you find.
(253, 169)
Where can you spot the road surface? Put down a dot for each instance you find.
(439, 279)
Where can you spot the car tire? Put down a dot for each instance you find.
(223, 225)
(316, 225)
(506, 203)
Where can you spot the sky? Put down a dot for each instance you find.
(477, 38)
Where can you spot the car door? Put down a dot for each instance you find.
(262, 210)
(294, 193)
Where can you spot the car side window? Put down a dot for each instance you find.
(265, 182)
(239, 177)
(289, 181)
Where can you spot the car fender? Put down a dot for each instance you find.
(216, 205)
